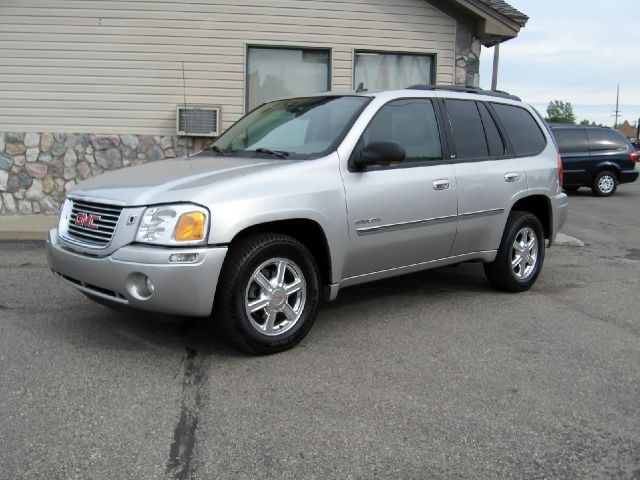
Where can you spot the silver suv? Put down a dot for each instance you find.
(304, 196)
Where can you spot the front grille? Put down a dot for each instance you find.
(93, 224)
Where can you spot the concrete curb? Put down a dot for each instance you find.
(568, 240)
(26, 227)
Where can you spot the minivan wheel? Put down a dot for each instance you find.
(520, 256)
(605, 184)
(268, 293)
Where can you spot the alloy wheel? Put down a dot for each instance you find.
(524, 254)
(606, 184)
(275, 296)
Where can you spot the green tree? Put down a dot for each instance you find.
(585, 123)
(560, 112)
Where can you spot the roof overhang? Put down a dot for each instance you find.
(493, 26)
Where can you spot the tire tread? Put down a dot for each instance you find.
(499, 272)
(224, 310)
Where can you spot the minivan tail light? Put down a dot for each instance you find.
(560, 173)
(634, 157)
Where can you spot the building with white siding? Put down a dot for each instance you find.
(93, 85)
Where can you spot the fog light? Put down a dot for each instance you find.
(183, 258)
(150, 286)
(140, 286)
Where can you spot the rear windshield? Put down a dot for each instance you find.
(523, 131)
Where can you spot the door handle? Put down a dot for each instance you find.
(511, 177)
(441, 184)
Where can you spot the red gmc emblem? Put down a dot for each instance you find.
(86, 220)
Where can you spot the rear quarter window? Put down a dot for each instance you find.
(494, 140)
(606, 140)
(571, 140)
(523, 131)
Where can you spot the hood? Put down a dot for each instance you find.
(172, 180)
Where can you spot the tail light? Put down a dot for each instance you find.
(634, 157)
(560, 173)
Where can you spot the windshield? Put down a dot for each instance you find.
(295, 128)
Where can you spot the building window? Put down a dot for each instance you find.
(380, 71)
(285, 72)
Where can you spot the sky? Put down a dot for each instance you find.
(576, 51)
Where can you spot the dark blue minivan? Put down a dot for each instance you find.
(596, 157)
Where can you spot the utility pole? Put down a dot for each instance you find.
(496, 60)
(617, 113)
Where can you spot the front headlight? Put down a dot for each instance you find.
(65, 213)
(182, 224)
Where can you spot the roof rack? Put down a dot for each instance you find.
(467, 89)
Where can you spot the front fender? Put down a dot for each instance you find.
(334, 230)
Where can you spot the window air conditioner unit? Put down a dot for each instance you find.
(198, 121)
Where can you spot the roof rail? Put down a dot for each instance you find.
(467, 89)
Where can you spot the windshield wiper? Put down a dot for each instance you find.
(217, 149)
(276, 153)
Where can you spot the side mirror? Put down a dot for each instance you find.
(379, 153)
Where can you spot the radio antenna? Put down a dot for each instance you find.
(186, 114)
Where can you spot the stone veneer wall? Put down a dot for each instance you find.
(38, 169)
(468, 64)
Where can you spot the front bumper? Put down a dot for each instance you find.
(559, 209)
(179, 288)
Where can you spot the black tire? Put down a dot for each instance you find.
(571, 188)
(604, 184)
(235, 282)
(500, 272)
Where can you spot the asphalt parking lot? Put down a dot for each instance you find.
(432, 375)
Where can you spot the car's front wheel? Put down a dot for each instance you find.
(520, 256)
(604, 184)
(268, 293)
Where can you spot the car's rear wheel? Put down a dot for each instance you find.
(605, 183)
(520, 256)
(268, 293)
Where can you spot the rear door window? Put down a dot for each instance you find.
(494, 140)
(571, 140)
(523, 131)
(468, 132)
(602, 139)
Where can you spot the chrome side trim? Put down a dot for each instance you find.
(575, 171)
(428, 221)
(405, 225)
(481, 213)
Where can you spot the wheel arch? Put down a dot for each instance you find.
(307, 231)
(611, 166)
(540, 206)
